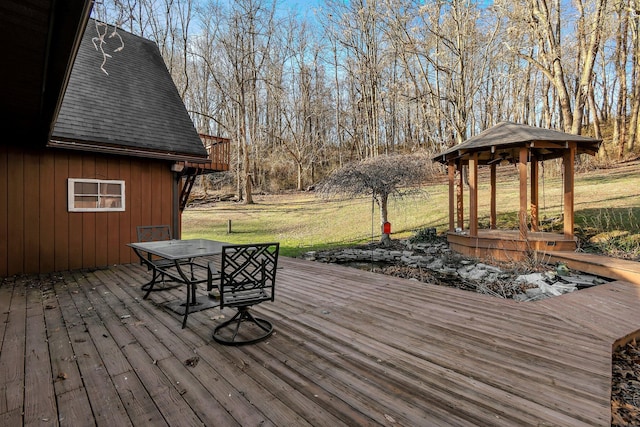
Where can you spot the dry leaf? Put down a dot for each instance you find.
(192, 361)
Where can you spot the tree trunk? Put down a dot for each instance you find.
(248, 197)
(586, 77)
(299, 184)
(634, 122)
(383, 201)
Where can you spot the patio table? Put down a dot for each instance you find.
(181, 253)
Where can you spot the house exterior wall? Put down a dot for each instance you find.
(39, 235)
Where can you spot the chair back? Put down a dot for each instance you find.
(248, 274)
(153, 233)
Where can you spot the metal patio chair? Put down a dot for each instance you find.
(246, 278)
(155, 233)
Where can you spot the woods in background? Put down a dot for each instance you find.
(300, 93)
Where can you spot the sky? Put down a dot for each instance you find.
(302, 7)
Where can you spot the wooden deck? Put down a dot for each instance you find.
(506, 245)
(350, 348)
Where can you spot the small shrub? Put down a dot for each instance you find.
(424, 235)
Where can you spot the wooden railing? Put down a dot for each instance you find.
(219, 150)
(219, 154)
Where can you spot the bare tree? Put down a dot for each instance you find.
(389, 76)
(379, 177)
(244, 42)
(543, 24)
(634, 122)
(620, 62)
(589, 36)
(356, 26)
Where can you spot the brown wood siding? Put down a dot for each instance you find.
(31, 173)
(15, 210)
(39, 235)
(47, 205)
(156, 198)
(134, 193)
(145, 188)
(4, 209)
(60, 223)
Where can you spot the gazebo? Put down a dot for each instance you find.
(511, 143)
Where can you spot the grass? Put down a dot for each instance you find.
(302, 222)
(607, 214)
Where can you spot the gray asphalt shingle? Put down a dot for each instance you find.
(506, 135)
(136, 106)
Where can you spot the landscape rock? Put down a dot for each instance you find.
(548, 289)
(434, 261)
(533, 279)
(477, 274)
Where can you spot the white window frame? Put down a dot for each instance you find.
(72, 195)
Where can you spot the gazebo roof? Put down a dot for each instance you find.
(502, 141)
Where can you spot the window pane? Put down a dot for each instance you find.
(110, 202)
(85, 201)
(111, 189)
(86, 188)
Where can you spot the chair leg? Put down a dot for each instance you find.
(148, 287)
(191, 299)
(248, 317)
(212, 274)
(239, 318)
(243, 315)
(186, 312)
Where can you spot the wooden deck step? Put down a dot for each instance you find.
(613, 268)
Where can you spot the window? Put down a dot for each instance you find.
(96, 195)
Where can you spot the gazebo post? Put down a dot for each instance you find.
(473, 195)
(494, 213)
(451, 172)
(522, 217)
(534, 194)
(460, 195)
(568, 160)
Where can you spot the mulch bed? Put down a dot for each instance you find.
(625, 386)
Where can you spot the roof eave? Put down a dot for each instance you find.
(64, 18)
(124, 151)
(455, 153)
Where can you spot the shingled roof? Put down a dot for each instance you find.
(505, 137)
(134, 110)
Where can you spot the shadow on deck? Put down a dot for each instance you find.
(350, 348)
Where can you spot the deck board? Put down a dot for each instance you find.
(350, 348)
(39, 396)
(12, 356)
(82, 323)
